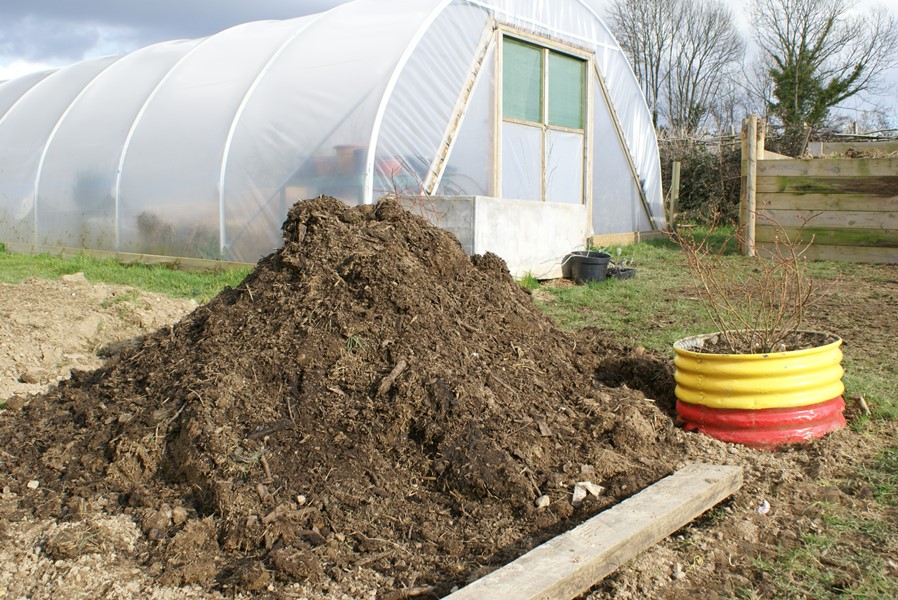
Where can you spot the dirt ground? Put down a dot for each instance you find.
(344, 426)
(48, 328)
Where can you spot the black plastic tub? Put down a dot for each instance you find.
(588, 265)
(621, 272)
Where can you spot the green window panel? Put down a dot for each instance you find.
(565, 91)
(522, 81)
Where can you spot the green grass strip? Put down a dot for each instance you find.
(163, 279)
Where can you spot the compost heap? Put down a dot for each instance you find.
(368, 398)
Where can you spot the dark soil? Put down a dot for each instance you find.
(760, 343)
(368, 397)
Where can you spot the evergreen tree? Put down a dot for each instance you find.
(820, 55)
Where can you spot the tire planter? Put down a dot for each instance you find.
(760, 400)
(587, 265)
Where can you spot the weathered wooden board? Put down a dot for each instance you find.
(885, 238)
(847, 202)
(854, 254)
(829, 167)
(874, 185)
(187, 264)
(840, 219)
(570, 564)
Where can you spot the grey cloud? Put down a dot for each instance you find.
(66, 30)
(32, 39)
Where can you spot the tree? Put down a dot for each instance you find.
(682, 51)
(819, 55)
(644, 29)
(706, 48)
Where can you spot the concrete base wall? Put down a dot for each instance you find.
(532, 237)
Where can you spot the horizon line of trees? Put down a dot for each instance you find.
(690, 59)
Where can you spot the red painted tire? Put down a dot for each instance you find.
(764, 428)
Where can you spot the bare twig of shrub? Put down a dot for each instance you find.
(759, 306)
(403, 184)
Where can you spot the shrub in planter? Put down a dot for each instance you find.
(760, 380)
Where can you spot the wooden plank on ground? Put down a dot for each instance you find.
(186, 264)
(849, 202)
(886, 238)
(566, 566)
(852, 254)
(797, 218)
(874, 185)
(829, 167)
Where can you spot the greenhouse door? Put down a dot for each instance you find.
(543, 129)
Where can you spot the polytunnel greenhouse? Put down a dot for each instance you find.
(520, 119)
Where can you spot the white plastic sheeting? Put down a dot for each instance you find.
(307, 126)
(11, 91)
(521, 162)
(424, 99)
(186, 124)
(617, 206)
(471, 166)
(80, 187)
(197, 148)
(24, 133)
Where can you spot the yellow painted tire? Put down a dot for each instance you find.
(758, 381)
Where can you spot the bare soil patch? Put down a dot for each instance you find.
(48, 328)
(371, 414)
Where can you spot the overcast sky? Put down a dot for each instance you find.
(39, 34)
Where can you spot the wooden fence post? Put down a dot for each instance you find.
(747, 204)
(674, 195)
(762, 138)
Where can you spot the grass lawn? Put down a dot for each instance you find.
(157, 278)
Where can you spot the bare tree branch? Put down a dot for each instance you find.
(684, 53)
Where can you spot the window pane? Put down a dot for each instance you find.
(521, 162)
(522, 81)
(565, 91)
(564, 167)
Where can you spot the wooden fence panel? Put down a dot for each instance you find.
(848, 206)
(883, 238)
